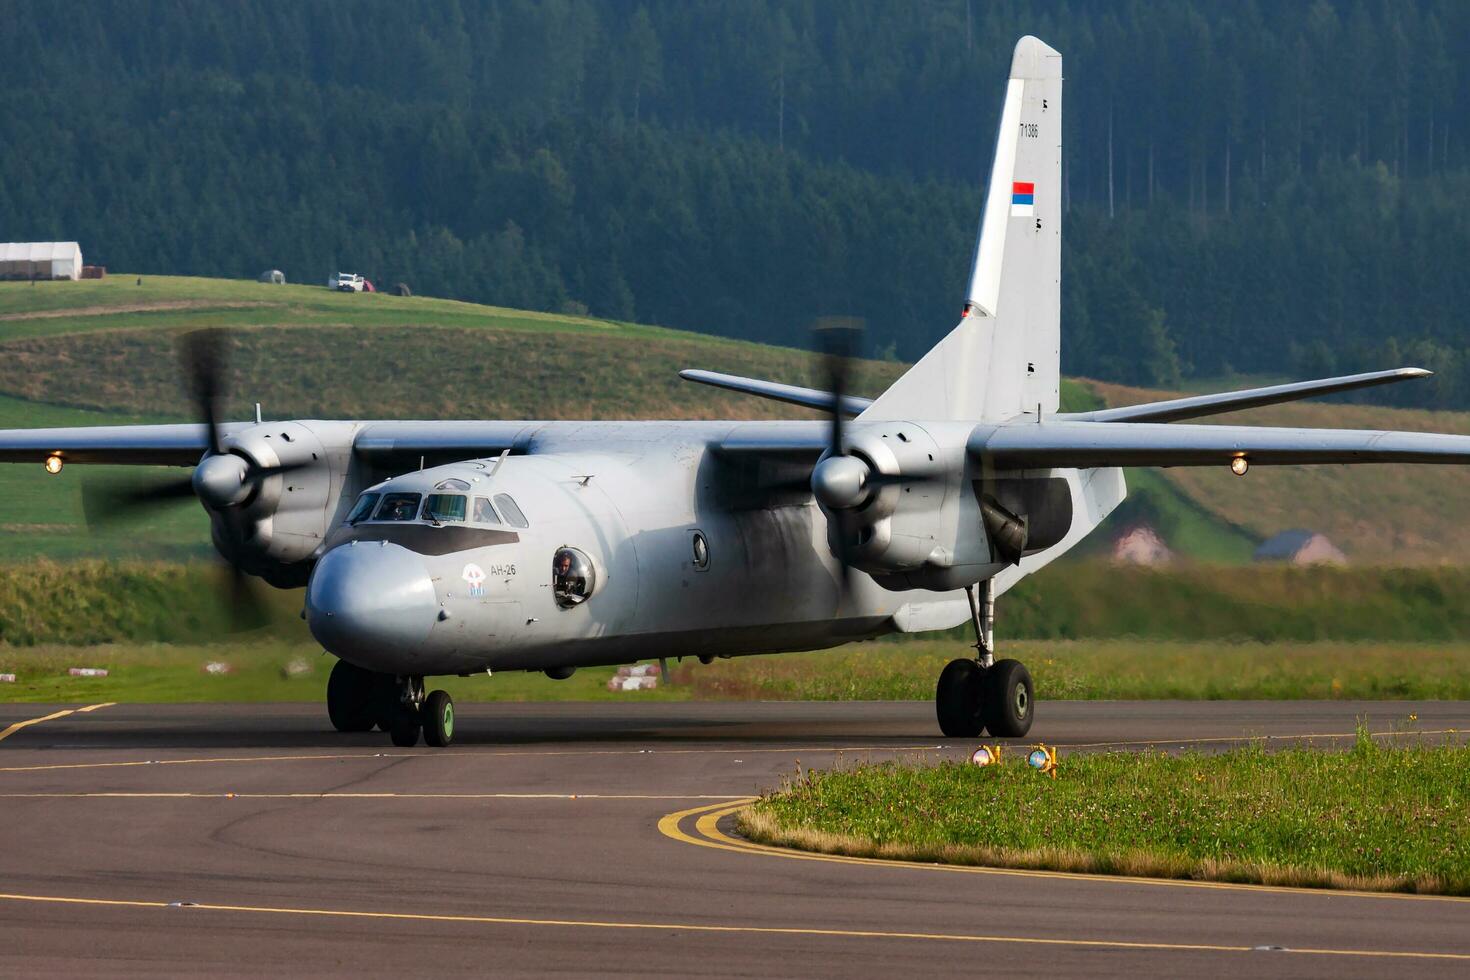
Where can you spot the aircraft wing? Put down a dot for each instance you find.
(795, 440)
(407, 441)
(1233, 401)
(1092, 444)
(154, 445)
(183, 444)
(852, 406)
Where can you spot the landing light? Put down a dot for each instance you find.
(1043, 759)
(985, 755)
(53, 465)
(1239, 465)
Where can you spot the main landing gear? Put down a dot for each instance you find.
(982, 694)
(359, 700)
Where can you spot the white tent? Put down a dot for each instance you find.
(40, 260)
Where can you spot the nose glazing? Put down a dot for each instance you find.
(372, 603)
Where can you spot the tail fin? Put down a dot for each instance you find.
(1004, 358)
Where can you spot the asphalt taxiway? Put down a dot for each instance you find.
(596, 839)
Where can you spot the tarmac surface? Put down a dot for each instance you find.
(595, 839)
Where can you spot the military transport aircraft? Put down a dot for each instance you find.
(432, 548)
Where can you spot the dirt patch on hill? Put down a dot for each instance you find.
(161, 305)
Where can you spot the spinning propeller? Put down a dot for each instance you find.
(221, 481)
(842, 482)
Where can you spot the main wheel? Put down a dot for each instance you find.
(384, 700)
(349, 698)
(404, 731)
(959, 699)
(438, 718)
(1010, 701)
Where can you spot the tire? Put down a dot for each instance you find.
(349, 698)
(384, 701)
(959, 699)
(1010, 699)
(405, 728)
(437, 715)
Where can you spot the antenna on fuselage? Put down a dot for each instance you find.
(498, 460)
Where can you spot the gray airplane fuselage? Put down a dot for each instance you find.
(644, 502)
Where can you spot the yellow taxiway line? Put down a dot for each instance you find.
(708, 834)
(443, 754)
(705, 927)
(12, 729)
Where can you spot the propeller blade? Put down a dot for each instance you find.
(116, 500)
(246, 610)
(838, 341)
(202, 355)
(880, 480)
(264, 472)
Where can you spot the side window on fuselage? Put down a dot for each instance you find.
(511, 512)
(484, 513)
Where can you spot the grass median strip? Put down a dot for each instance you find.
(268, 667)
(1378, 817)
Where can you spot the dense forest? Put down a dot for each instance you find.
(1253, 187)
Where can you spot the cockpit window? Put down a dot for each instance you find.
(513, 515)
(441, 507)
(453, 483)
(398, 507)
(484, 513)
(363, 507)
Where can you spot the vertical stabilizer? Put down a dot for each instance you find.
(1004, 357)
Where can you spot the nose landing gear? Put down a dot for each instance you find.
(975, 695)
(358, 700)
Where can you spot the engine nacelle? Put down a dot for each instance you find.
(953, 522)
(906, 533)
(276, 530)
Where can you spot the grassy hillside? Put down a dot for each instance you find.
(1377, 514)
(102, 352)
(93, 601)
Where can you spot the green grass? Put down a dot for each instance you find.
(102, 352)
(113, 303)
(1191, 531)
(42, 514)
(260, 669)
(94, 601)
(1106, 670)
(1376, 817)
(1112, 670)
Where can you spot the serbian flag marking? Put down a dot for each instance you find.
(1023, 199)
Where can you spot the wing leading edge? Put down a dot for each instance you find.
(149, 445)
(1084, 445)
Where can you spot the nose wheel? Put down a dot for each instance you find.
(438, 718)
(433, 716)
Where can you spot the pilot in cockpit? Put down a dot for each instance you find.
(400, 507)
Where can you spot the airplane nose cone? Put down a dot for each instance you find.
(372, 603)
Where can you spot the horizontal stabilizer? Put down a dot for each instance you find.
(1093, 444)
(1199, 406)
(790, 394)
